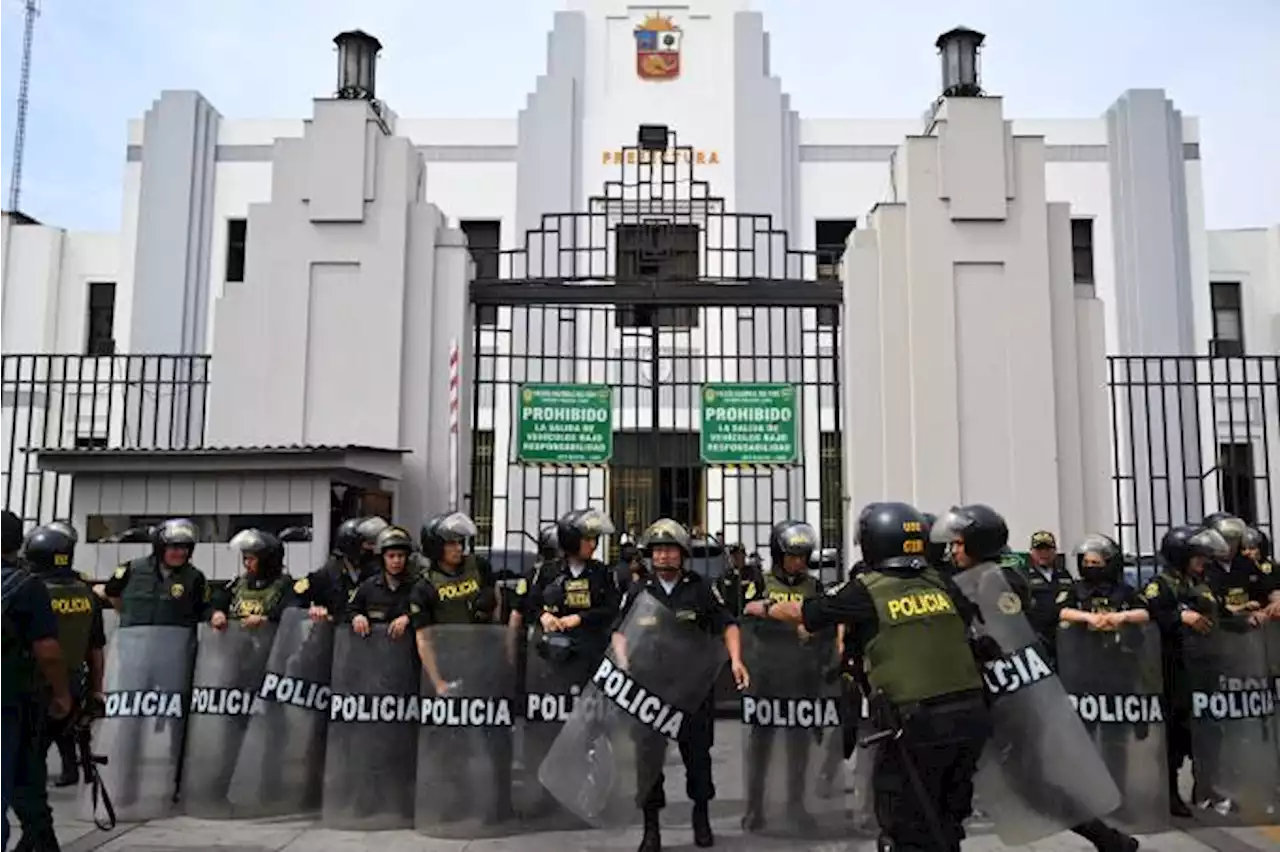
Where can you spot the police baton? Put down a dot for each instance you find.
(909, 764)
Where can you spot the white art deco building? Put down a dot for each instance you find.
(940, 291)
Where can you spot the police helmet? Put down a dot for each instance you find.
(66, 528)
(1112, 568)
(1256, 539)
(935, 552)
(346, 539)
(262, 544)
(666, 531)
(176, 532)
(548, 542)
(451, 526)
(791, 538)
(48, 549)
(1230, 527)
(393, 538)
(370, 528)
(1180, 544)
(581, 524)
(892, 535)
(982, 529)
(12, 533)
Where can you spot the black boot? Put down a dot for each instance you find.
(702, 836)
(70, 775)
(40, 840)
(652, 840)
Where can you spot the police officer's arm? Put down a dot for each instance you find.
(220, 598)
(36, 622)
(1070, 610)
(723, 621)
(114, 587)
(1135, 611)
(423, 601)
(359, 605)
(200, 594)
(284, 600)
(97, 641)
(1168, 612)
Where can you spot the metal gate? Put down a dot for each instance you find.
(655, 296)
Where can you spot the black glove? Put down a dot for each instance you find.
(486, 601)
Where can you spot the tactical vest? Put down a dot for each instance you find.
(1194, 593)
(247, 601)
(1091, 599)
(456, 592)
(779, 591)
(577, 590)
(72, 603)
(920, 650)
(149, 598)
(19, 664)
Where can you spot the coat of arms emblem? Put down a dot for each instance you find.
(658, 49)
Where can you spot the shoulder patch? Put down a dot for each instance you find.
(208, 593)
(120, 571)
(1009, 603)
(302, 585)
(1152, 590)
(1265, 567)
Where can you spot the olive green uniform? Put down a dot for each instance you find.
(151, 596)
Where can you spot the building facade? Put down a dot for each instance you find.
(345, 325)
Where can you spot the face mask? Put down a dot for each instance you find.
(1095, 574)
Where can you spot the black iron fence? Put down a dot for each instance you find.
(1190, 436)
(90, 402)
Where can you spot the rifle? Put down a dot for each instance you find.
(89, 763)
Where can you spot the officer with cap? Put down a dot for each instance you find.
(1179, 599)
(328, 590)
(1238, 580)
(791, 543)
(668, 545)
(909, 624)
(1047, 579)
(385, 597)
(163, 589)
(982, 535)
(35, 689)
(263, 591)
(50, 554)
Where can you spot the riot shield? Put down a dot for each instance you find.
(280, 768)
(229, 668)
(465, 736)
(1040, 773)
(1233, 721)
(371, 755)
(147, 679)
(1114, 680)
(554, 680)
(654, 678)
(790, 715)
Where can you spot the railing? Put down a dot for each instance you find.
(91, 402)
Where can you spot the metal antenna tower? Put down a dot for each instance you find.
(24, 84)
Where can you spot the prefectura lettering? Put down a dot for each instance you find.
(636, 701)
(790, 712)
(1119, 709)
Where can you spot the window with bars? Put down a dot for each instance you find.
(100, 318)
(1082, 251)
(830, 484)
(482, 485)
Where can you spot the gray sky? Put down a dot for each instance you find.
(97, 64)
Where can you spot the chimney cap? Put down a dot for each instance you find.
(957, 33)
(357, 65)
(358, 36)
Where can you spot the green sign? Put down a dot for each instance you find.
(749, 424)
(565, 424)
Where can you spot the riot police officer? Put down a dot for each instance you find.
(909, 625)
(1238, 580)
(328, 590)
(578, 596)
(28, 645)
(262, 592)
(1255, 545)
(668, 545)
(738, 584)
(385, 597)
(791, 544)
(50, 553)
(1180, 598)
(165, 588)
(1101, 599)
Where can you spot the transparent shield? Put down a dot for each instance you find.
(465, 740)
(1040, 773)
(372, 747)
(790, 718)
(1233, 723)
(1114, 680)
(280, 768)
(229, 667)
(611, 752)
(147, 680)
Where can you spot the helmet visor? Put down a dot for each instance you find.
(595, 524)
(798, 540)
(949, 527)
(248, 541)
(179, 532)
(456, 526)
(1210, 543)
(1099, 544)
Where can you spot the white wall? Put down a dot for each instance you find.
(1250, 256)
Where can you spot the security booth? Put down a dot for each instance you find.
(296, 491)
